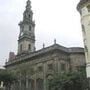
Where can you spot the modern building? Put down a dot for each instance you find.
(84, 9)
(35, 67)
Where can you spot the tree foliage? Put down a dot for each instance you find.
(8, 77)
(69, 81)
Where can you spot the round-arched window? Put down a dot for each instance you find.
(83, 30)
(30, 28)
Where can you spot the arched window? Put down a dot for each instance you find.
(32, 71)
(63, 66)
(83, 30)
(39, 84)
(50, 66)
(86, 49)
(31, 84)
(30, 28)
(40, 69)
(23, 84)
(49, 79)
(29, 46)
(29, 15)
(16, 86)
(21, 47)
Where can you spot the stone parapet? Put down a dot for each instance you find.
(30, 55)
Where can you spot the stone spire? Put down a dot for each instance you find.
(26, 42)
(28, 6)
(28, 14)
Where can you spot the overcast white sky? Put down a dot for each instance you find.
(54, 19)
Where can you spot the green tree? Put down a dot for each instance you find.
(8, 78)
(68, 81)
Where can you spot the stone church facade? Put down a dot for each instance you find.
(34, 67)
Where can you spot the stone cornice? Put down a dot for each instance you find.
(29, 55)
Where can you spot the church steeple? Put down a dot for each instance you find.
(26, 42)
(27, 15)
(28, 6)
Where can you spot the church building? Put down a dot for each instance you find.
(35, 67)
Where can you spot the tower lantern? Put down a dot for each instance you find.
(26, 41)
(84, 9)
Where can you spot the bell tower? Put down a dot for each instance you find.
(26, 41)
(84, 9)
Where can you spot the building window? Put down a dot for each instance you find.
(22, 28)
(31, 84)
(63, 67)
(86, 49)
(50, 66)
(23, 84)
(29, 47)
(85, 41)
(29, 16)
(30, 28)
(21, 47)
(32, 71)
(83, 29)
(39, 84)
(40, 68)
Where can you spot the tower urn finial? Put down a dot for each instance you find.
(28, 6)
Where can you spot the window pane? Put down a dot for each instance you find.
(29, 47)
(21, 47)
(50, 66)
(63, 67)
(39, 84)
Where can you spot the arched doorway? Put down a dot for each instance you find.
(31, 84)
(39, 84)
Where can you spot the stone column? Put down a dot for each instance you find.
(35, 83)
(56, 65)
(20, 84)
(20, 81)
(26, 83)
(44, 73)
